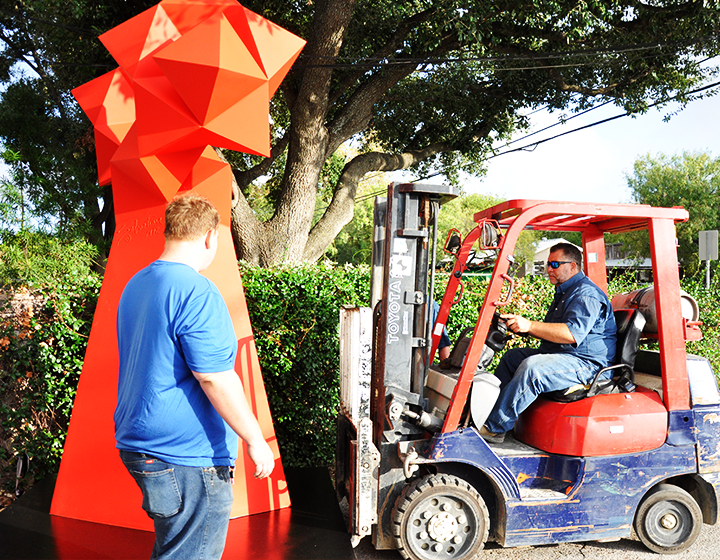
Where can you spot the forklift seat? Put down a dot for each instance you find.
(460, 348)
(630, 324)
(619, 419)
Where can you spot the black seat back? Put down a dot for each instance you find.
(457, 355)
(630, 324)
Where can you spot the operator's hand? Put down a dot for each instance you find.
(263, 457)
(516, 323)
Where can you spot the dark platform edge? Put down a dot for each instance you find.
(313, 528)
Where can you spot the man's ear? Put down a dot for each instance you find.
(208, 238)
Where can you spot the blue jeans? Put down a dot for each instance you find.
(190, 506)
(525, 373)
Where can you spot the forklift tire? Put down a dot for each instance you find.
(440, 516)
(668, 520)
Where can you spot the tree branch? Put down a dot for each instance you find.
(356, 115)
(244, 224)
(244, 177)
(391, 47)
(22, 55)
(342, 207)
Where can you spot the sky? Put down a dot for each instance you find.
(591, 165)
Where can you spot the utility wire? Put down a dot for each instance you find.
(532, 146)
(560, 122)
(405, 61)
(338, 62)
(17, 13)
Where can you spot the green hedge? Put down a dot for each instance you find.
(43, 336)
(707, 299)
(294, 314)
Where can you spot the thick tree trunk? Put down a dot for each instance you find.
(314, 137)
(282, 239)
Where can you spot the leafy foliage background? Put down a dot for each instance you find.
(295, 315)
(43, 337)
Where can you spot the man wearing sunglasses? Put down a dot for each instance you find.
(578, 338)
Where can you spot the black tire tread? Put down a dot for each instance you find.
(417, 489)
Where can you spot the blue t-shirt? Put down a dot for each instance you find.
(587, 312)
(173, 321)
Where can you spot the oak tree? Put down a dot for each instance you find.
(426, 85)
(691, 180)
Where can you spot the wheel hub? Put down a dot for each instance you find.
(669, 521)
(442, 527)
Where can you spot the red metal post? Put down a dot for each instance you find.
(669, 314)
(594, 257)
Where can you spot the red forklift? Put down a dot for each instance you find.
(642, 452)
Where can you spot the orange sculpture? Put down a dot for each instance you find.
(193, 74)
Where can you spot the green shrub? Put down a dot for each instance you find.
(40, 259)
(295, 316)
(43, 336)
(294, 313)
(707, 300)
(531, 297)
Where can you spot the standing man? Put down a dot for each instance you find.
(578, 340)
(180, 402)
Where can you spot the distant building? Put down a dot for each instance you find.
(616, 260)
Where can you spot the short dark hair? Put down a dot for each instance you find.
(570, 251)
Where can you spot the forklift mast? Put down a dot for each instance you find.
(404, 306)
(397, 329)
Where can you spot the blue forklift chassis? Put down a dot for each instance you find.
(542, 498)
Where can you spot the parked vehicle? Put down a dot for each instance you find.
(644, 453)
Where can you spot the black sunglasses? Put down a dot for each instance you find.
(556, 264)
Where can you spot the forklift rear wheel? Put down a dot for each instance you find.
(668, 520)
(440, 516)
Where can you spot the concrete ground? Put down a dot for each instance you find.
(707, 547)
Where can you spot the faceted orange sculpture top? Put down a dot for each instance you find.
(193, 73)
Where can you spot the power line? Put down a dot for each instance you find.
(432, 65)
(373, 61)
(560, 122)
(339, 61)
(532, 146)
(17, 13)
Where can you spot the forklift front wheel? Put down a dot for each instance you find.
(440, 516)
(668, 520)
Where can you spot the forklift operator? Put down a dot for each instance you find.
(578, 338)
